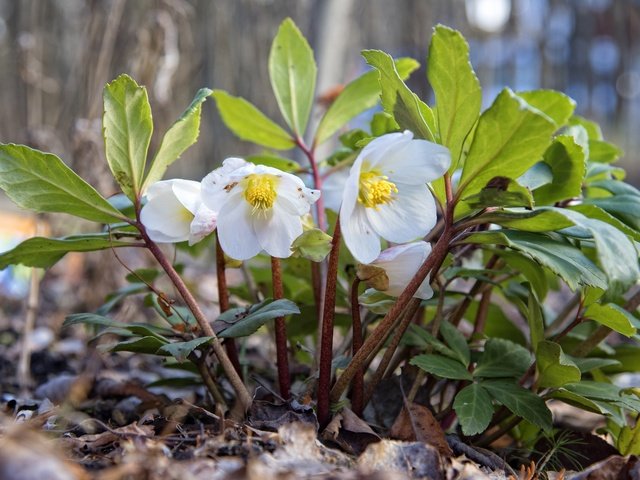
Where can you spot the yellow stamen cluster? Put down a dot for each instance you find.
(260, 191)
(375, 189)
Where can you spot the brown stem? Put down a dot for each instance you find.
(326, 338)
(223, 302)
(481, 314)
(282, 357)
(236, 382)
(357, 387)
(207, 378)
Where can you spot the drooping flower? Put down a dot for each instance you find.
(398, 265)
(259, 208)
(174, 212)
(386, 194)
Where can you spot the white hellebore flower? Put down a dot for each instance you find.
(259, 208)
(174, 212)
(400, 263)
(386, 194)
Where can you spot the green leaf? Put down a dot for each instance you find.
(292, 70)
(43, 252)
(420, 337)
(242, 322)
(142, 275)
(520, 401)
(592, 211)
(555, 105)
(567, 161)
(558, 256)
(587, 364)
(509, 139)
(580, 401)
(181, 350)
(615, 187)
(376, 301)
(603, 152)
(275, 161)
(595, 390)
(612, 316)
(536, 321)
(182, 134)
(624, 207)
(474, 408)
(457, 341)
(250, 124)
(42, 182)
(149, 345)
(538, 220)
(92, 319)
(127, 128)
(592, 129)
(529, 268)
(554, 367)
(361, 94)
(629, 440)
(456, 88)
(502, 358)
(441, 366)
(501, 192)
(313, 245)
(397, 100)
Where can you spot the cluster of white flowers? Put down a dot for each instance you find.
(257, 208)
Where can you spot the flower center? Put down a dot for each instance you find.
(260, 191)
(375, 189)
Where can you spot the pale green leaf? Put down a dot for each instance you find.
(292, 70)
(474, 409)
(603, 152)
(180, 136)
(456, 88)
(520, 401)
(250, 124)
(554, 367)
(42, 182)
(361, 94)
(567, 162)
(555, 105)
(127, 128)
(441, 366)
(275, 161)
(612, 316)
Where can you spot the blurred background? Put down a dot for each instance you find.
(56, 55)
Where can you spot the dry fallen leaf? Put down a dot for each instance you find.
(350, 432)
(417, 423)
(411, 459)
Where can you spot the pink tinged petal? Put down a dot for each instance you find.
(362, 241)
(415, 162)
(276, 231)
(202, 225)
(376, 151)
(165, 218)
(293, 196)
(235, 230)
(187, 192)
(332, 188)
(411, 214)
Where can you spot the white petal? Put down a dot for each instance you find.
(332, 188)
(293, 196)
(410, 215)
(415, 162)
(362, 241)
(218, 185)
(277, 231)
(157, 189)
(425, 292)
(202, 225)
(401, 263)
(165, 218)
(235, 229)
(376, 151)
(187, 192)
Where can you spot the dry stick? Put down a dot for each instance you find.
(207, 378)
(223, 302)
(326, 338)
(357, 389)
(236, 382)
(282, 359)
(434, 260)
(408, 314)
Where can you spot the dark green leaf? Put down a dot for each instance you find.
(44, 252)
(92, 319)
(502, 358)
(181, 350)
(456, 88)
(457, 341)
(538, 220)
(397, 100)
(292, 70)
(474, 408)
(567, 162)
(598, 213)
(42, 182)
(149, 345)
(501, 192)
(182, 134)
(509, 139)
(243, 322)
(554, 367)
(536, 322)
(624, 207)
(520, 401)
(250, 124)
(556, 105)
(142, 275)
(420, 337)
(127, 128)
(441, 366)
(361, 94)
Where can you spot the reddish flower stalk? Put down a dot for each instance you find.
(357, 386)
(223, 302)
(326, 339)
(282, 358)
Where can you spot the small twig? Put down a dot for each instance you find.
(223, 303)
(357, 387)
(282, 361)
(33, 300)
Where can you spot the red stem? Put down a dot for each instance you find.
(223, 302)
(326, 338)
(317, 181)
(357, 388)
(282, 358)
